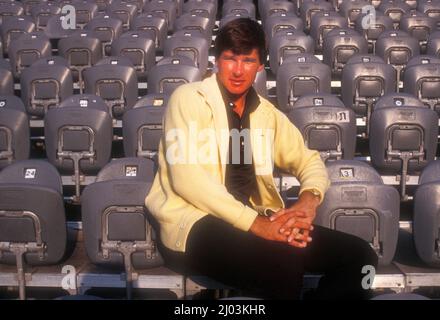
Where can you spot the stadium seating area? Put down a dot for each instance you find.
(81, 107)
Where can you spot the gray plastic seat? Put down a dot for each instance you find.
(276, 8)
(381, 24)
(156, 26)
(124, 12)
(365, 79)
(285, 43)
(326, 125)
(419, 26)
(106, 29)
(12, 28)
(237, 6)
(10, 9)
(282, 22)
(397, 48)
(301, 74)
(85, 11)
(26, 50)
(426, 224)
(422, 79)
(359, 203)
(103, 4)
(114, 80)
(202, 8)
(192, 21)
(433, 47)
(195, 48)
(32, 231)
(351, 9)
(14, 130)
(82, 50)
(164, 9)
(339, 45)
(395, 9)
(6, 78)
(55, 31)
(78, 137)
(42, 12)
(310, 8)
(28, 5)
(431, 8)
(44, 85)
(322, 23)
(260, 83)
(230, 17)
(142, 131)
(139, 48)
(171, 72)
(403, 138)
(118, 231)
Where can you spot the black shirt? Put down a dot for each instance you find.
(240, 174)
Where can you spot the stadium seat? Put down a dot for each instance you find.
(42, 12)
(103, 4)
(82, 50)
(419, 26)
(431, 8)
(395, 9)
(117, 228)
(301, 74)
(433, 47)
(45, 84)
(195, 48)
(171, 72)
(28, 5)
(403, 137)
(78, 136)
(238, 6)
(164, 9)
(85, 11)
(397, 48)
(202, 8)
(12, 28)
(359, 203)
(54, 30)
(7, 79)
(326, 125)
(139, 48)
(10, 9)
(124, 12)
(260, 83)
(322, 23)
(114, 80)
(276, 8)
(156, 26)
(142, 130)
(32, 219)
(310, 8)
(192, 21)
(426, 226)
(422, 79)
(366, 78)
(106, 29)
(351, 9)
(224, 20)
(376, 25)
(14, 130)
(138, 3)
(282, 22)
(288, 42)
(339, 45)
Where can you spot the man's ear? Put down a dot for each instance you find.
(260, 67)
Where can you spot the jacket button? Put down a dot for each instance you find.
(178, 244)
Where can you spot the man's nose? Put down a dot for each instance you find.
(238, 68)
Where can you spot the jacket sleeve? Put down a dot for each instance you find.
(293, 156)
(190, 180)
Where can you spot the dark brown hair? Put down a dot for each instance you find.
(241, 35)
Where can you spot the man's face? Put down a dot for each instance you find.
(237, 72)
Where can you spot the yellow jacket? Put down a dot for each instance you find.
(190, 182)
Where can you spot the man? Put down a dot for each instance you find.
(214, 195)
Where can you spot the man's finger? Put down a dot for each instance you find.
(277, 214)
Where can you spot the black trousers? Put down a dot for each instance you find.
(274, 270)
